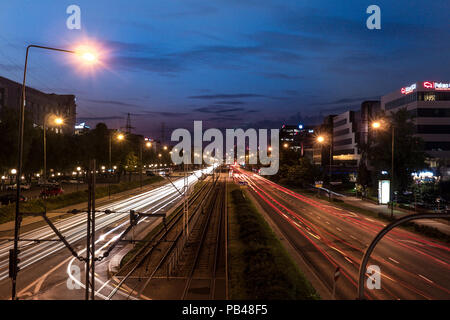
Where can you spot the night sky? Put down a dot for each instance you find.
(231, 63)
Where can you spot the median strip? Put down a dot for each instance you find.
(259, 265)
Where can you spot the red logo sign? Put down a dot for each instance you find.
(428, 85)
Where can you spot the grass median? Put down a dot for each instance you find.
(7, 213)
(259, 265)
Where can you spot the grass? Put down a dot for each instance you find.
(260, 267)
(7, 213)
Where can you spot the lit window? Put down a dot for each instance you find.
(429, 97)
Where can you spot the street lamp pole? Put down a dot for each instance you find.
(18, 218)
(45, 150)
(110, 166)
(392, 170)
(140, 163)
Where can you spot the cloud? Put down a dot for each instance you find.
(230, 102)
(349, 100)
(99, 118)
(113, 102)
(227, 96)
(218, 109)
(277, 75)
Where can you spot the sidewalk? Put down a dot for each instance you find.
(441, 225)
(9, 226)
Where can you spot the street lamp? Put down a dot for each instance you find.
(20, 153)
(119, 137)
(321, 140)
(378, 125)
(58, 121)
(147, 145)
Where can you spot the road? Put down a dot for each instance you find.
(47, 270)
(411, 266)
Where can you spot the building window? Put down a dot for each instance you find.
(342, 132)
(432, 112)
(434, 129)
(429, 97)
(340, 123)
(343, 142)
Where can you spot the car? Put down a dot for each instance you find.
(10, 198)
(23, 186)
(149, 173)
(51, 191)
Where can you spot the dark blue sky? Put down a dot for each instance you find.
(231, 63)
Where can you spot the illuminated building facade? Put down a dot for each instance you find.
(429, 102)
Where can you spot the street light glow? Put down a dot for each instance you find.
(320, 139)
(59, 121)
(148, 144)
(120, 137)
(376, 125)
(87, 54)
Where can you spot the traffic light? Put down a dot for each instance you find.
(13, 262)
(133, 218)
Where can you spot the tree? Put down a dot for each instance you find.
(409, 155)
(9, 136)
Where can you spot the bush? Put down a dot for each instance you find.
(259, 261)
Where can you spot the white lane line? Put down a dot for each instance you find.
(393, 260)
(425, 278)
(346, 258)
(354, 238)
(338, 229)
(327, 222)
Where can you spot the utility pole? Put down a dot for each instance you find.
(392, 171)
(90, 237)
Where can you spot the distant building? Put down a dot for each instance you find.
(288, 134)
(349, 132)
(298, 138)
(429, 102)
(345, 148)
(39, 104)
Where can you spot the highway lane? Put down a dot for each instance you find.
(412, 266)
(73, 228)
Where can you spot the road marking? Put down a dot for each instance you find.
(338, 229)
(425, 278)
(353, 237)
(327, 222)
(318, 217)
(393, 260)
(348, 260)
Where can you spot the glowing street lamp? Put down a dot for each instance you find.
(321, 140)
(56, 121)
(377, 125)
(85, 57)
